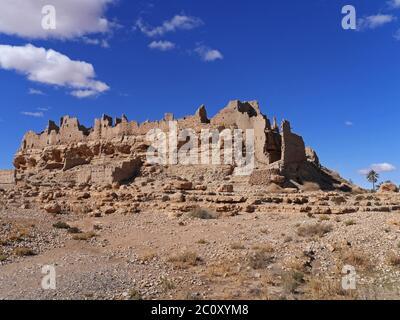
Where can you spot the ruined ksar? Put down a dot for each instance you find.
(115, 152)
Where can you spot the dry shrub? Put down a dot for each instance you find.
(202, 241)
(312, 230)
(185, 260)
(328, 289)
(167, 284)
(393, 259)
(291, 280)
(349, 223)
(356, 258)
(24, 252)
(261, 256)
(202, 213)
(61, 225)
(223, 269)
(148, 256)
(237, 246)
(84, 236)
(134, 295)
(324, 217)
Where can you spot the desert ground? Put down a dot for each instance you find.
(154, 240)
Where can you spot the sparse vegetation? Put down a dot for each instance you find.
(167, 284)
(134, 295)
(356, 258)
(61, 225)
(394, 259)
(237, 246)
(312, 230)
(24, 252)
(201, 213)
(292, 280)
(84, 236)
(74, 230)
(185, 260)
(324, 217)
(348, 223)
(202, 241)
(148, 256)
(261, 257)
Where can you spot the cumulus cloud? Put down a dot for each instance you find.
(162, 45)
(38, 114)
(207, 54)
(378, 167)
(178, 22)
(375, 21)
(75, 18)
(52, 68)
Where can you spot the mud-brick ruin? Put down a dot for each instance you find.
(115, 152)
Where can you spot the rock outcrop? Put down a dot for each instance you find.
(115, 152)
(388, 187)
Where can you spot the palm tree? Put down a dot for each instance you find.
(373, 177)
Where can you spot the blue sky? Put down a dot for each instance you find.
(339, 88)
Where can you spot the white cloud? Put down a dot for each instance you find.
(96, 42)
(378, 167)
(162, 45)
(84, 93)
(50, 67)
(35, 92)
(207, 54)
(349, 123)
(375, 21)
(75, 18)
(394, 3)
(178, 22)
(44, 108)
(397, 35)
(33, 114)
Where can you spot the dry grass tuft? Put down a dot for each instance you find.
(185, 260)
(261, 256)
(84, 236)
(328, 289)
(393, 259)
(61, 225)
(24, 252)
(201, 213)
(312, 230)
(291, 280)
(356, 258)
(237, 246)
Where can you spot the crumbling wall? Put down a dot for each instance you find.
(109, 173)
(293, 147)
